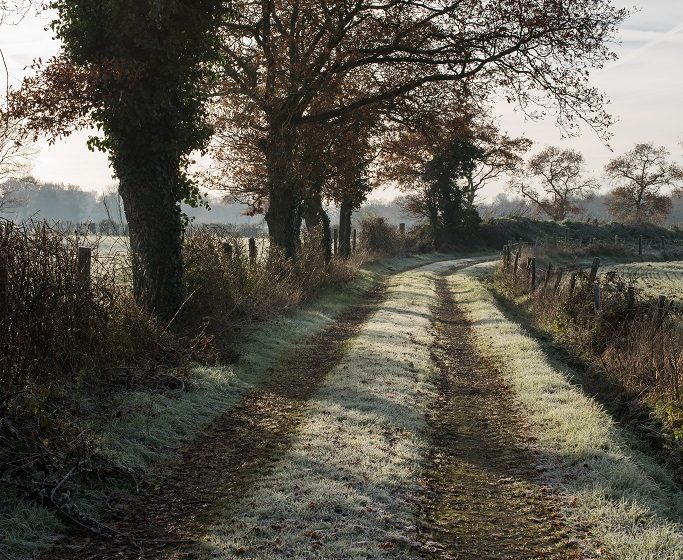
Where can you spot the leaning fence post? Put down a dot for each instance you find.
(354, 240)
(335, 242)
(572, 283)
(547, 275)
(596, 297)
(533, 274)
(518, 254)
(594, 271)
(402, 229)
(84, 263)
(252, 250)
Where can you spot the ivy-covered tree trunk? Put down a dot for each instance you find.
(345, 211)
(284, 197)
(149, 187)
(316, 217)
(138, 70)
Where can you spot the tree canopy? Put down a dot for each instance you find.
(642, 180)
(559, 175)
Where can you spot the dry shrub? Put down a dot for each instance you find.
(227, 292)
(54, 319)
(208, 272)
(379, 237)
(635, 344)
(68, 344)
(634, 349)
(61, 334)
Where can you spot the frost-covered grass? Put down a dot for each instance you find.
(630, 503)
(142, 428)
(655, 278)
(346, 487)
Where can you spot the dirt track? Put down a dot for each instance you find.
(480, 499)
(218, 465)
(481, 495)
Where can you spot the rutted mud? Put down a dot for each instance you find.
(218, 467)
(482, 499)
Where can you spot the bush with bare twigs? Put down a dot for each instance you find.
(631, 345)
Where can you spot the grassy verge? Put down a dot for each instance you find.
(628, 352)
(631, 503)
(134, 431)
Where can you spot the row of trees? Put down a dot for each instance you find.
(643, 180)
(301, 102)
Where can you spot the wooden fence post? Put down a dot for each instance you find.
(84, 263)
(505, 256)
(547, 275)
(4, 286)
(518, 254)
(335, 241)
(533, 274)
(227, 250)
(572, 283)
(353, 241)
(631, 297)
(560, 274)
(661, 302)
(616, 240)
(594, 271)
(402, 229)
(640, 245)
(596, 297)
(252, 250)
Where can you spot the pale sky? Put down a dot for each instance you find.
(645, 88)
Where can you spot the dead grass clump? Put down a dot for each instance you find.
(228, 289)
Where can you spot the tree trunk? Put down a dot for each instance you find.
(284, 201)
(150, 198)
(434, 224)
(315, 216)
(450, 210)
(471, 192)
(345, 211)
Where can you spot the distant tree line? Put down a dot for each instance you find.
(644, 183)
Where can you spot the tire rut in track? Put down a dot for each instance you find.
(219, 465)
(481, 498)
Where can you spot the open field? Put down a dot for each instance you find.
(655, 278)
